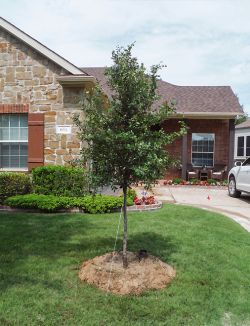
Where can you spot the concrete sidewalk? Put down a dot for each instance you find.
(211, 198)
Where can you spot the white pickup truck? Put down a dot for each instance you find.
(239, 178)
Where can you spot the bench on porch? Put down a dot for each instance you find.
(218, 172)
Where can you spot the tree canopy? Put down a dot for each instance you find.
(125, 141)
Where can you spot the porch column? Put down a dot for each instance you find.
(231, 143)
(184, 157)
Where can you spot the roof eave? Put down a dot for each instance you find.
(79, 81)
(207, 115)
(240, 128)
(39, 47)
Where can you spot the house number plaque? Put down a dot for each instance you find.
(63, 129)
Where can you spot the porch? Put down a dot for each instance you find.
(206, 148)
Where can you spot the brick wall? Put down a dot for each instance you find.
(221, 130)
(219, 127)
(173, 149)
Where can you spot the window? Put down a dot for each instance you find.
(13, 141)
(203, 149)
(243, 146)
(247, 145)
(240, 146)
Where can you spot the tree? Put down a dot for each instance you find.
(123, 134)
(241, 118)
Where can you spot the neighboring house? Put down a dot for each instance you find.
(242, 141)
(40, 91)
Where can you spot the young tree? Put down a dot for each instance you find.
(123, 135)
(241, 118)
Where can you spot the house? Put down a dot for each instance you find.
(40, 92)
(209, 113)
(242, 141)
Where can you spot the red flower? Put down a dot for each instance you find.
(145, 200)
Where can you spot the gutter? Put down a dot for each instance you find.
(207, 115)
(240, 128)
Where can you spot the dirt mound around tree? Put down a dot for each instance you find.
(107, 273)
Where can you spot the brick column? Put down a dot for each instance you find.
(184, 154)
(231, 143)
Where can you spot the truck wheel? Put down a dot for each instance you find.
(232, 190)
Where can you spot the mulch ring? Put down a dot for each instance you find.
(107, 273)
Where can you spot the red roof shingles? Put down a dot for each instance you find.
(187, 99)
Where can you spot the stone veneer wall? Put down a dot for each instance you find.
(27, 77)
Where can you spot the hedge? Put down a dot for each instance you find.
(102, 203)
(59, 181)
(12, 184)
(50, 203)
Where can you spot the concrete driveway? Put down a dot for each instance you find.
(212, 198)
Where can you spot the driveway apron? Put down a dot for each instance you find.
(211, 198)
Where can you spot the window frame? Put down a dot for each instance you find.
(244, 135)
(205, 133)
(16, 141)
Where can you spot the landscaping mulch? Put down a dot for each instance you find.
(107, 273)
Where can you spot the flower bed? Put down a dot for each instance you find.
(157, 205)
(195, 182)
(145, 200)
(145, 203)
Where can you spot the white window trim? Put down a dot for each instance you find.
(199, 166)
(245, 135)
(17, 169)
(13, 141)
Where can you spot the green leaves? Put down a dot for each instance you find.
(51, 203)
(60, 181)
(125, 140)
(12, 183)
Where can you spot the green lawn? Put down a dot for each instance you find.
(40, 255)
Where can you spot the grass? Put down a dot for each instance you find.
(40, 255)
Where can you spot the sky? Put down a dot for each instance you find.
(202, 42)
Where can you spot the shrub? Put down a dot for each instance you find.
(224, 182)
(102, 203)
(12, 184)
(50, 203)
(177, 180)
(131, 193)
(34, 201)
(212, 181)
(194, 181)
(59, 181)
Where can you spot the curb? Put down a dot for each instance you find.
(140, 208)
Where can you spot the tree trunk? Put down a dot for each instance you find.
(125, 229)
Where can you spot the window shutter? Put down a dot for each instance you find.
(35, 140)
